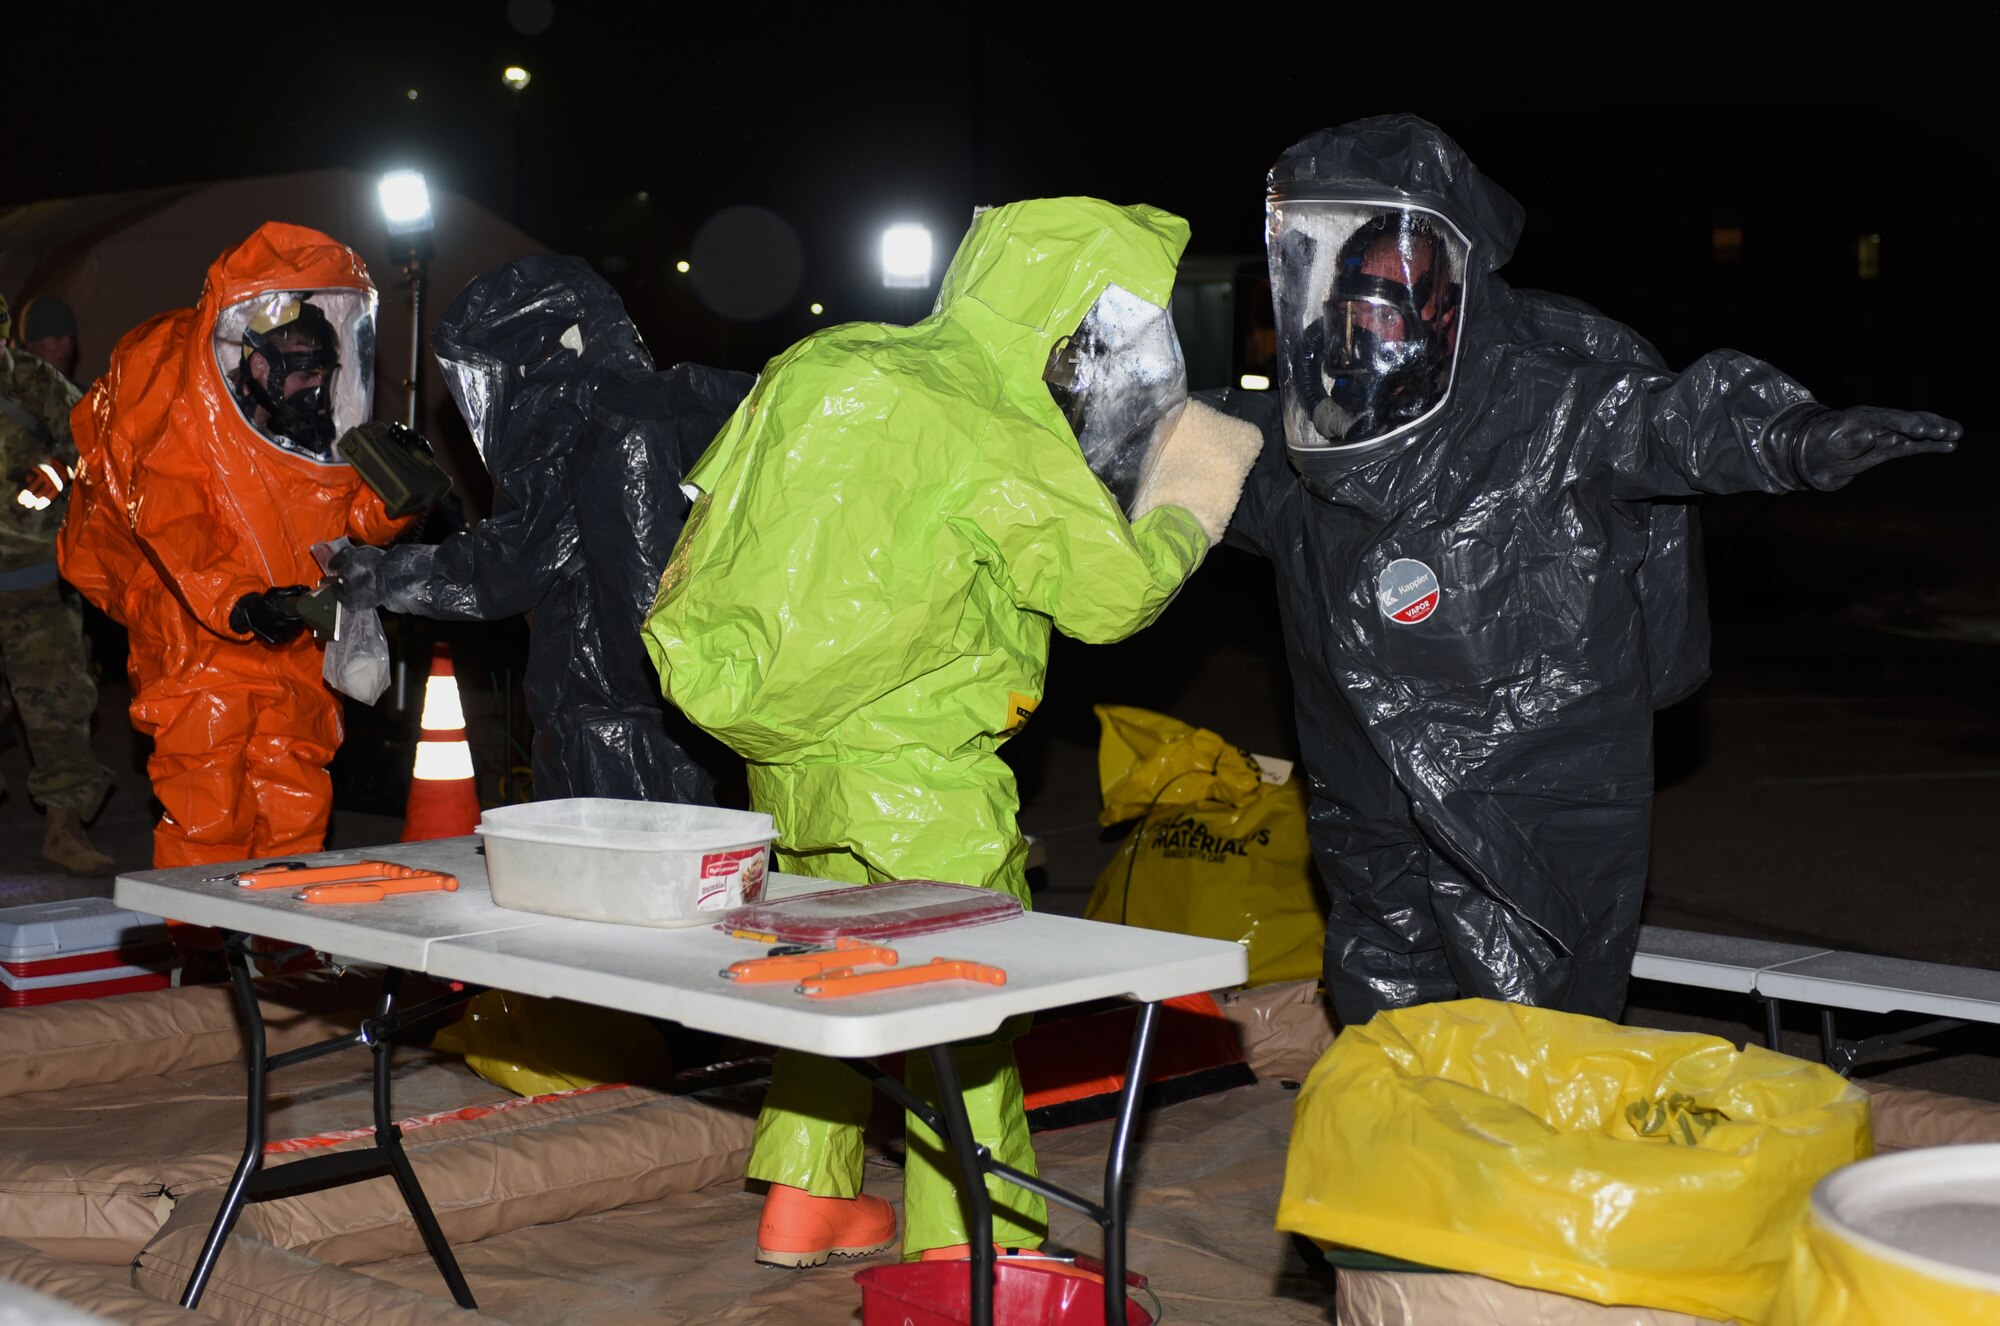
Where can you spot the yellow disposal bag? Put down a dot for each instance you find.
(1616, 1164)
(1220, 849)
(534, 1046)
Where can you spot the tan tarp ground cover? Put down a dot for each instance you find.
(104, 1290)
(120, 1106)
(89, 1173)
(628, 1206)
(87, 1041)
(256, 1284)
(1207, 1178)
(1906, 1118)
(1376, 1298)
(1284, 1028)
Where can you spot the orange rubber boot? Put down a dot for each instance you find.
(798, 1229)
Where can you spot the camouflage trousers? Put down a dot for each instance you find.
(46, 676)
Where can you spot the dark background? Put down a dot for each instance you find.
(1631, 133)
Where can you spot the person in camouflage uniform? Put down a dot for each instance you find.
(42, 662)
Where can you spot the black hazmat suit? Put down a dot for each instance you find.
(1481, 764)
(587, 444)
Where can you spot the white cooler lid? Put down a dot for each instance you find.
(1935, 1210)
(75, 925)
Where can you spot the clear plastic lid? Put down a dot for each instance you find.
(892, 910)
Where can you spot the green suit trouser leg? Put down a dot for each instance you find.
(809, 1134)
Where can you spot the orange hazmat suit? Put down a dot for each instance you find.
(183, 507)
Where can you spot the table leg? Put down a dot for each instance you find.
(251, 1182)
(972, 1182)
(949, 1121)
(389, 1141)
(1774, 1028)
(253, 1129)
(1114, 1167)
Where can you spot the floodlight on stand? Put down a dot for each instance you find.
(906, 257)
(406, 215)
(406, 202)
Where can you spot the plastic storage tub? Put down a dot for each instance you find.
(633, 862)
(1902, 1238)
(81, 948)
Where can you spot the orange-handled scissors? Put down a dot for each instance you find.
(799, 966)
(285, 876)
(374, 890)
(847, 981)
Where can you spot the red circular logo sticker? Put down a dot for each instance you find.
(1407, 591)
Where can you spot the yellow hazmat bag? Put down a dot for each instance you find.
(534, 1046)
(1938, 1205)
(1566, 1153)
(1220, 849)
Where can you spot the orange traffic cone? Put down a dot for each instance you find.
(444, 800)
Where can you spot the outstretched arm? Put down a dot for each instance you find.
(500, 567)
(1732, 423)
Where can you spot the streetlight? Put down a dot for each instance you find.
(517, 79)
(906, 257)
(406, 214)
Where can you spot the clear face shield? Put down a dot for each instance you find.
(300, 365)
(1120, 381)
(476, 385)
(478, 381)
(1367, 299)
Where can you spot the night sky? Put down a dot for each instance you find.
(1631, 134)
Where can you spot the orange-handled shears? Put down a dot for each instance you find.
(291, 876)
(799, 966)
(374, 890)
(847, 981)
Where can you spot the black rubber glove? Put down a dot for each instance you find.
(1829, 447)
(267, 617)
(358, 568)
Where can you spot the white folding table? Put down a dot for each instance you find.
(1050, 961)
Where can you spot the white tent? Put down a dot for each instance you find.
(119, 258)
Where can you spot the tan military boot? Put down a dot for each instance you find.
(68, 846)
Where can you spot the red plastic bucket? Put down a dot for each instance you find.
(1027, 1291)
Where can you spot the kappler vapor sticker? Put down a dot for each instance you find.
(1407, 591)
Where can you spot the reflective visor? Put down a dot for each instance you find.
(300, 366)
(1120, 381)
(1367, 299)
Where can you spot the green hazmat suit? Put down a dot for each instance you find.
(860, 606)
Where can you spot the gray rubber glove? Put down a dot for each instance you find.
(1829, 447)
(358, 568)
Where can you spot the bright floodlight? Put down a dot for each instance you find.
(514, 77)
(906, 257)
(406, 202)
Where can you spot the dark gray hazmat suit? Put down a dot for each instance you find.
(1488, 571)
(587, 444)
